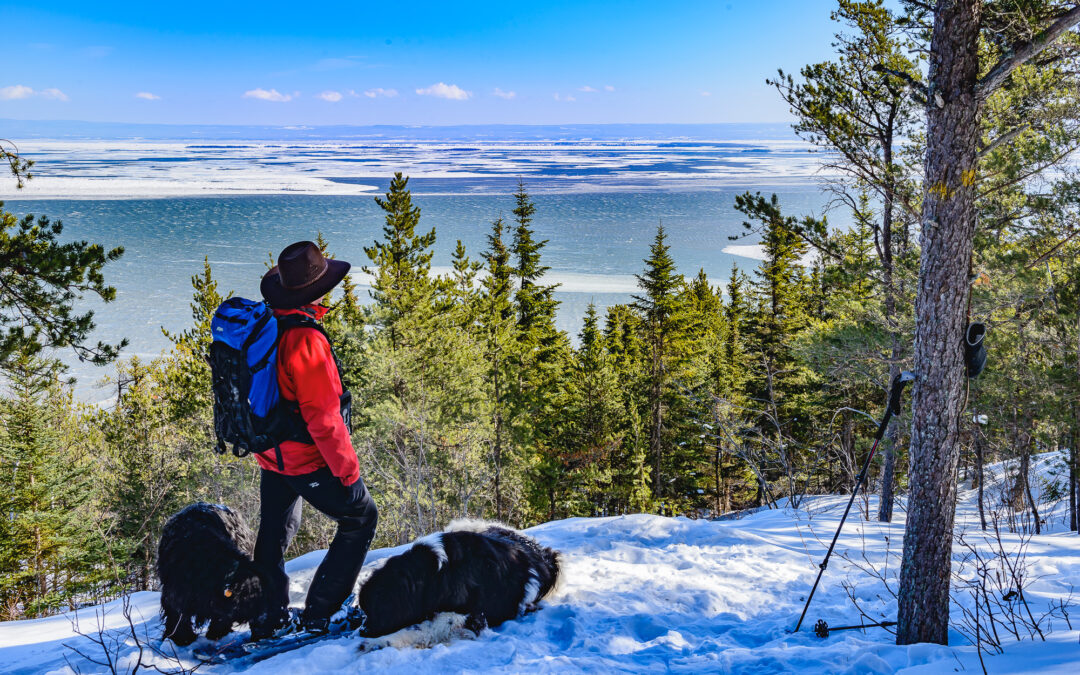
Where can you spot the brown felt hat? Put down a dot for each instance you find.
(301, 276)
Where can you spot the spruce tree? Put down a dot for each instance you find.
(540, 360)
(402, 260)
(664, 323)
(533, 301)
(499, 335)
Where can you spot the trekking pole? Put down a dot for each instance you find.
(893, 408)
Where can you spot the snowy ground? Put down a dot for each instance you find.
(651, 594)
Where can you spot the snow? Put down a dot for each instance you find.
(644, 593)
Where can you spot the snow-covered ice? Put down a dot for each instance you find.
(124, 169)
(644, 593)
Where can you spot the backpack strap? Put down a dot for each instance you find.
(291, 424)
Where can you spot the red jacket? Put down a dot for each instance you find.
(307, 374)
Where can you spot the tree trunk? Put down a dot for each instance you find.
(888, 471)
(656, 436)
(948, 226)
(888, 468)
(1025, 471)
(498, 443)
(717, 476)
(1072, 483)
(980, 461)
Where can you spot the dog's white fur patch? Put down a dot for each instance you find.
(434, 542)
(474, 525)
(532, 589)
(445, 627)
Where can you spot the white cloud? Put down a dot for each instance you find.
(565, 98)
(331, 96)
(379, 91)
(706, 93)
(17, 91)
(608, 87)
(587, 89)
(271, 95)
(504, 94)
(148, 96)
(443, 90)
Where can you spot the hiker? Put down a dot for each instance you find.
(322, 468)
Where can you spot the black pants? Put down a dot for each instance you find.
(356, 516)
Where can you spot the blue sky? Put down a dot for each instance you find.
(524, 62)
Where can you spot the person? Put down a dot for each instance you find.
(324, 472)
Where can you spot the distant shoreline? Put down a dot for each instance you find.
(83, 130)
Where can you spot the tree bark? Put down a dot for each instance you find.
(888, 472)
(980, 463)
(888, 469)
(948, 226)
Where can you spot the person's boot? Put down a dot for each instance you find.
(283, 623)
(347, 617)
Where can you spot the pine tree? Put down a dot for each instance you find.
(859, 107)
(42, 281)
(951, 180)
(344, 322)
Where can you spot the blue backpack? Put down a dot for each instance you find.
(249, 411)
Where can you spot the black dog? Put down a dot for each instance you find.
(482, 570)
(206, 573)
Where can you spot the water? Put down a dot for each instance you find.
(597, 207)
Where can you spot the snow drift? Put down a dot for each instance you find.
(645, 593)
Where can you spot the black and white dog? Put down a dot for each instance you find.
(482, 570)
(207, 575)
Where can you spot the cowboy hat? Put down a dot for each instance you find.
(301, 276)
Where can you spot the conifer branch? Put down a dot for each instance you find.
(1021, 53)
(919, 90)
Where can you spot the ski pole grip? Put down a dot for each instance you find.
(897, 389)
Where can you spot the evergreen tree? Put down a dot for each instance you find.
(146, 478)
(498, 328)
(533, 301)
(538, 388)
(344, 323)
(664, 325)
(589, 449)
(402, 260)
(859, 108)
(191, 346)
(422, 426)
(49, 550)
(41, 279)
